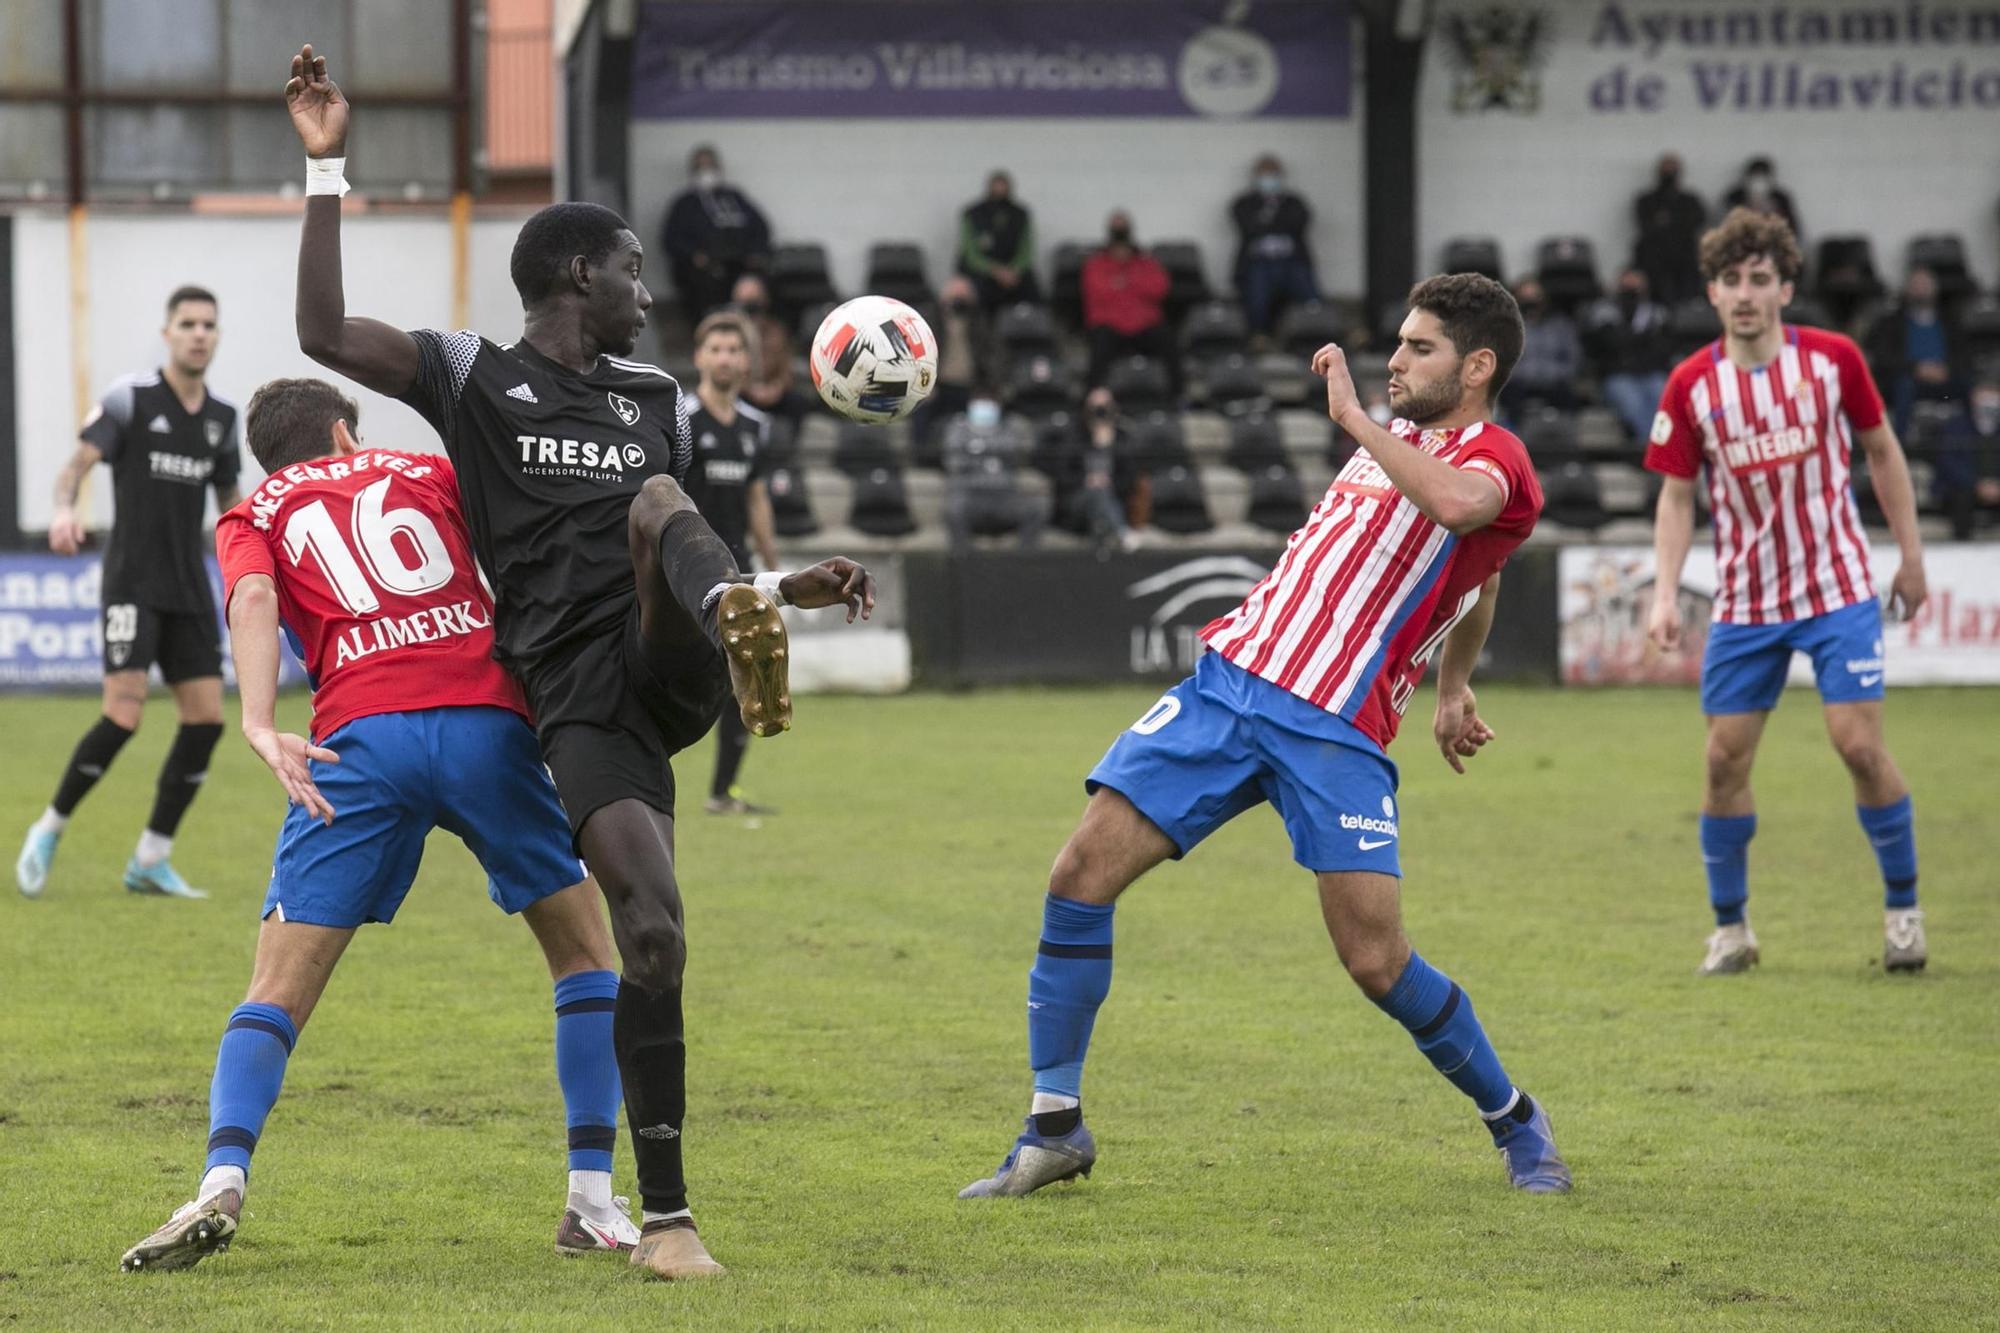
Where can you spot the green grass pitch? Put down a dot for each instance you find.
(1814, 1146)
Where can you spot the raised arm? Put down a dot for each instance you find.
(65, 525)
(1454, 498)
(377, 355)
(1890, 472)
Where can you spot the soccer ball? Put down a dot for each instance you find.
(874, 359)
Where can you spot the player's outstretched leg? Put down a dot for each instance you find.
(1728, 823)
(629, 847)
(1882, 804)
(293, 963)
(92, 756)
(1113, 846)
(1364, 917)
(692, 594)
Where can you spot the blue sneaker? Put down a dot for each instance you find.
(158, 878)
(31, 868)
(1037, 1160)
(1529, 1151)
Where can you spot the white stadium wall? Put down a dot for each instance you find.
(1882, 118)
(397, 269)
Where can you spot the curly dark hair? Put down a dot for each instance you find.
(1475, 312)
(1744, 235)
(553, 237)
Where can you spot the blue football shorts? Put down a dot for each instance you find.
(475, 772)
(1224, 740)
(1743, 668)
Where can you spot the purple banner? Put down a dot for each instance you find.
(1218, 58)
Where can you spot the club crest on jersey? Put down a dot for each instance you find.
(213, 429)
(627, 410)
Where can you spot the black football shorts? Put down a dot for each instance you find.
(186, 644)
(609, 720)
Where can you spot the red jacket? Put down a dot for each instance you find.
(1123, 295)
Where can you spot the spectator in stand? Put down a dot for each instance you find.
(712, 235)
(1274, 266)
(1670, 220)
(1965, 476)
(1914, 351)
(996, 246)
(1551, 355)
(965, 361)
(1094, 483)
(769, 388)
(1627, 333)
(984, 452)
(1124, 302)
(1758, 190)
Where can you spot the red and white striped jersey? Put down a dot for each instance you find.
(1788, 539)
(1365, 592)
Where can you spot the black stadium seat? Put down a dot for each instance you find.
(1024, 329)
(1567, 267)
(1066, 281)
(1159, 440)
(1177, 500)
(1572, 497)
(1277, 500)
(1214, 329)
(1805, 310)
(860, 449)
(1844, 274)
(1236, 387)
(1311, 325)
(1694, 324)
(799, 278)
(1187, 279)
(1255, 443)
(1039, 386)
(810, 319)
(1944, 255)
(881, 506)
(1472, 254)
(1140, 384)
(791, 509)
(896, 269)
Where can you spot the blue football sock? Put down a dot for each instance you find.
(1892, 831)
(249, 1070)
(1439, 1015)
(587, 1067)
(1725, 853)
(1070, 978)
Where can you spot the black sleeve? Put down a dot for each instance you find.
(105, 427)
(229, 463)
(444, 364)
(760, 229)
(682, 458)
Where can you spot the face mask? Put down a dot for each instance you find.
(1986, 415)
(1380, 413)
(1628, 301)
(755, 307)
(958, 307)
(1758, 185)
(1669, 177)
(1531, 307)
(983, 413)
(1120, 235)
(1270, 182)
(707, 178)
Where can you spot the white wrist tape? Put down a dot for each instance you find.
(767, 583)
(325, 175)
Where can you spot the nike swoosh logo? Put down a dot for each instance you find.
(603, 1237)
(1870, 680)
(1368, 846)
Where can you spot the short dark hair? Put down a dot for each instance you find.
(189, 292)
(1744, 235)
(291, 421)
(553, 237)
(722, 321)
(1475, 312)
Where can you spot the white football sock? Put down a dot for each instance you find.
(648, 1217)
(1052, 1101)
(51, 822)
(1512, 1102)
(220, 1178)
(153, 848)
(590, 1188)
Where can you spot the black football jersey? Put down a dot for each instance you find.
(549, 462)
(727, 458)
(163, 458)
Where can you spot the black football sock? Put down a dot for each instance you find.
(93, 755)
(731, 740)
(696, 563)
(1055, 1124)
(646, 1033)
(181, 775)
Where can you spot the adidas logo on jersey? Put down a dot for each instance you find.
(523, 393)
(158, 425)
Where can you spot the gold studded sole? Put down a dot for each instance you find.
(759, 655)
